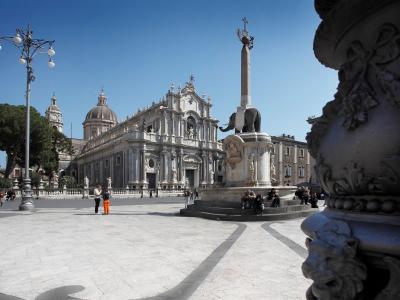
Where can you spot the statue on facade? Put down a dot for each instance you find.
(191, 132)
(174, 177)
(86, 182)
(211, 176)
(109, 182)
(143, 127)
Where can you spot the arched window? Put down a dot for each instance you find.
(191, 131)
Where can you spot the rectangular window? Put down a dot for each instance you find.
(288, 171)
(287, 151)
(301, 152)
(118, 160)
(301, 171)
(106, 163)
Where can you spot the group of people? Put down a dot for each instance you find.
(306, 196)
(99, 193)
(10, 195)
(251, 200)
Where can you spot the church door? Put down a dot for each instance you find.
(190, 177)
(151, 179)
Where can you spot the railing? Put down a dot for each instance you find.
(79, 193)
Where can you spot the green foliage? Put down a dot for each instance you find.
(69, 181)
(5, 183)
(12, 135)
(35, 179)
(45, 142)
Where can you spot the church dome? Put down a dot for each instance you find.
(101, 111)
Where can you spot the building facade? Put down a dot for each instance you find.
(291, 162)
(171, 144)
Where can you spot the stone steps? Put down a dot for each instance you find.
(237, 203)
(249, 217)
(250, 211)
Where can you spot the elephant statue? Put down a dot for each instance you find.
(252, 121)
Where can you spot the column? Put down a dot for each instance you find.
(165, 166)
(280, 162)
(101, 170)
(204, 169)
(130, 165)
(143, 166)
(178, 127)
(295, 166)
(136, 166)
(173, 131)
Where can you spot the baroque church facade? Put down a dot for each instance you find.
(170, 145)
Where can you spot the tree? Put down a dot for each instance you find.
(50, 158)
(68, 181)
(45, 142)
(12, 135)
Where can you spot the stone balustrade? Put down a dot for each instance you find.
(78, 193)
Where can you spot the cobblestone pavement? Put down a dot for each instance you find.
(145, 250)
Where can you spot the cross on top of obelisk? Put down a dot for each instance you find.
(244, 35)
(245, 22)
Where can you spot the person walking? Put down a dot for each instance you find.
(97, 194)
(106, 202)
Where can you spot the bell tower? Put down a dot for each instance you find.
(54, 115)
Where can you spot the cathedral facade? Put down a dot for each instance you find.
(171, 144)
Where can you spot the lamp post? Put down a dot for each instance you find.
(29, 48)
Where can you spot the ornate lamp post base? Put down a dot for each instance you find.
(27, 200)
(354, 244)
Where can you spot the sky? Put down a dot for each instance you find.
(136, 49)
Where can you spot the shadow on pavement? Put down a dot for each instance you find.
(60, 293)
(174, 214)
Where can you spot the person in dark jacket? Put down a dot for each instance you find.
(314, 200)
(258, 204)
(106, 202)
(274, 197)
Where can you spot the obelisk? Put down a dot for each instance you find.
(245, 98)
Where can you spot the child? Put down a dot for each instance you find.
(106, 202)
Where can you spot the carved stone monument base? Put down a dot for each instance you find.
(248, 159)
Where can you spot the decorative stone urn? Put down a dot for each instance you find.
(354, 244)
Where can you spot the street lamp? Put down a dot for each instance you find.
(29, 48)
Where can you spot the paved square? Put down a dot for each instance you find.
(144, 250)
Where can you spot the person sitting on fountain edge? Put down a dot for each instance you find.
(258, 204)
(274, 197)
(247, 199)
